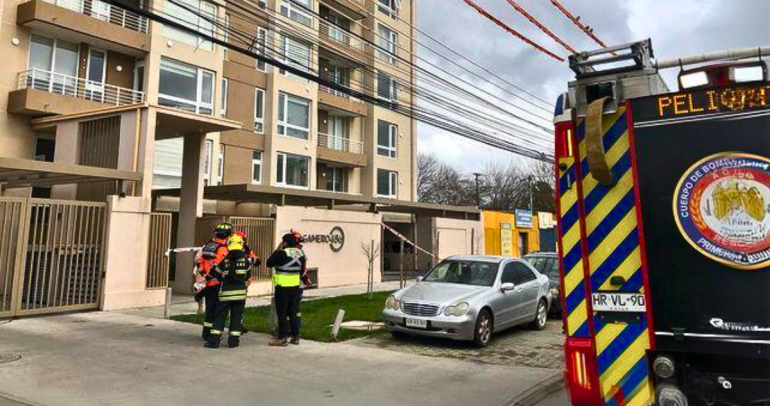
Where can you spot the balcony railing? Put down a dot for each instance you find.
(338, 143)
(337, 34)
(71, 86)
(105, 12)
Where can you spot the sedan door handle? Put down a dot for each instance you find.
(519, 290)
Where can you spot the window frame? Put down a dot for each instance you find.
(221, 165)
(223, 101)
(256, 162)
(207, 162)
(283, 122)
(259, 116)
(261, 66)
(392, 184)
(288, 6)
(285, 57)
(390, 44)
(199, 42)
(283, 171)
(198, 104)
(343, 178)
(391, 9)
(392, 87)
(390, 150)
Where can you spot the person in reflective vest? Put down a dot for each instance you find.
(288, 262)
(234, 272)
(207, 286)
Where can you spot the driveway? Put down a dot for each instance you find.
(104, 358)
(517, 347)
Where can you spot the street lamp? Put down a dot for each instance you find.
(478, 193)
(531, 208)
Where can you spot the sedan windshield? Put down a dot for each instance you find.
(464, 273)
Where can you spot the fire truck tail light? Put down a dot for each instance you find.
(563, 135)
(581, 375)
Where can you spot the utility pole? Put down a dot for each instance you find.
(478, 192)
(531, 207)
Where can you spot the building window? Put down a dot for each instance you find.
(387, 183)
(336, 179)
(221, 165)
(186, 87)
(259, 111)
(55, 64)
(195, 14)
(293, 116)
(389, 7)
(207, 163)
(226, 34)
(387, 139)
(256, 167)
(261, 44)
(225, 90)
(297, 10)
(387, 87)
(296, 54)
(292, 170)
(388, 43)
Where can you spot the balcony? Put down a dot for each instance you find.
(44, 92)
(91, 21)
(342, 42)
(354, 9)
(341, 150)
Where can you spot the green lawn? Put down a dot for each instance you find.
(317, 316)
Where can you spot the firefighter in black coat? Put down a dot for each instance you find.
(235, 273)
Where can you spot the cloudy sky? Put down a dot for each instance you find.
(677, 28)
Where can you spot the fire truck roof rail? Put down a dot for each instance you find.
(586, 64)
(729, 55)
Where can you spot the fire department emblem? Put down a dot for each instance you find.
(722, 208)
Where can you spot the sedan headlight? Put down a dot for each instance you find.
(457, 310)
(392, 303)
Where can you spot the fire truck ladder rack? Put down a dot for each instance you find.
(587, 64)
(729, 55)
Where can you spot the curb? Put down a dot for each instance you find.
(538, 392)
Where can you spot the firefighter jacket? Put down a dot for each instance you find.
(234, 271)
(289, 264)
(208, 257)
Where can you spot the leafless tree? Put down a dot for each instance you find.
(372, 252)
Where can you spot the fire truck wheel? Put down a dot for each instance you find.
(484, 328)
(541, 316)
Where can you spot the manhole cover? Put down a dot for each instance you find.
(9, 357)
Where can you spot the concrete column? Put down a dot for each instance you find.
(190, 207)
(66, 152)
(146, 155)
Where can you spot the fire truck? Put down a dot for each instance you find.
(663, 202)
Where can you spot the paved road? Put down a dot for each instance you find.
(519, 347)
(557, 399)
(123, 359)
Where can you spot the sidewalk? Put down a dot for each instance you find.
(185, 304)
(111, 358)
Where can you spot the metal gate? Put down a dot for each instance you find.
(159, 243)
(259, 230)
(55, 252)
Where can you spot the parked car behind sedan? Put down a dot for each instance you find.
(469, 298)
(547, 263)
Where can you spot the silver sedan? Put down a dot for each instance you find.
(469, 298)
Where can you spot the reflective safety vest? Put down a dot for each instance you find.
(235, 273)
(288, 274)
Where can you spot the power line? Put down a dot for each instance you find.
(512, 31)
(543, 28)
(576, 20)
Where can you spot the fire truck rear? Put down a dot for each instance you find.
(663, 202)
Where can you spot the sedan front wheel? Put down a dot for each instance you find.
(484, 329)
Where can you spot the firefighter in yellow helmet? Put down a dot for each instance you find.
(235, 274)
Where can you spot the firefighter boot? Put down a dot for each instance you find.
(233, 342)
(212, 342)
(294, 341)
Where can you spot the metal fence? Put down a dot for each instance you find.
(12, 212)
(159, 243)
(66, 85)
(340, 143)
(105, 12)
(259, 231)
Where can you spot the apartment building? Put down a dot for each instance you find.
(76, 56)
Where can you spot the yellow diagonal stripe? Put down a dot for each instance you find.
(642, 395)
(612, 376)
(613, 239)
(613, 156)
(567, 200)
(607, 335)
(626, 269)
(617, 193)
(571, 238)
(572, 278)
(576, 318)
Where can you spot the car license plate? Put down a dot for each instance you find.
(618, 302)
(417, 323)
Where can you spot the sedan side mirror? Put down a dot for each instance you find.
(506, 286)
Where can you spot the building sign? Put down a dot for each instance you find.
(523, 218)
(506, 239)
(545, 220)
(722, 208)
(705, 101)
(335, 239)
